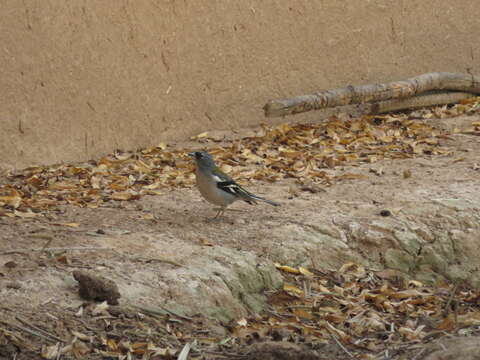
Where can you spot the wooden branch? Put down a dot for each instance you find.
(373, 93)
(416, 102)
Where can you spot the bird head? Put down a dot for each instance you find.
(202, 158)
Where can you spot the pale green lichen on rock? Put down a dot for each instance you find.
(439, 242)
(408, 240)
(459, 204)
(444, 246)
(457, 273)
(247, 280)
(224, 314)
(399, 260)
(425, 274)
(433, 259)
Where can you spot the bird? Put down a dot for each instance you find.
(217, 187)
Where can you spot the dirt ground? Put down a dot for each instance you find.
(147, 240)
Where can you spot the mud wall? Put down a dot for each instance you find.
(80, 78)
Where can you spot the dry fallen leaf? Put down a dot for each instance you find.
(407, 174)
(73, 225)
(305, 272)
(199, 136)
(205, 242)
(458, 160)
(378, 172)
(162, 146)
(123, 195)
(355, 269)
(12, 200)
(148, 217)
(292, 289)
(50, 351)
(287, 269)
(242, 322)
(100, 309)
(81, 336)
(303, 314)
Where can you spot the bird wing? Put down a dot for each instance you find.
(231, 187)
(227, 184)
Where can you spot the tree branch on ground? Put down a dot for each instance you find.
(437, 88)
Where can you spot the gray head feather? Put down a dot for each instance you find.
(203, 159)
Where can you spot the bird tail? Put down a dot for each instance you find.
(255, 197)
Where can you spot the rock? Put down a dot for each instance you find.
(16, 285)
(279, 350)
(96, 287)
(398, 260)
(10, 264)
(466, 348)
(8, 351)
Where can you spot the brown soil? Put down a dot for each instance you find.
(160, 234)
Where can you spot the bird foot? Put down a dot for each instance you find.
(218, 215)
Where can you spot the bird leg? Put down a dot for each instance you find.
(220, 212)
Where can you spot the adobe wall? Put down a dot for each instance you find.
(80, 78)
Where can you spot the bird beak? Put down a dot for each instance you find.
(191, 154)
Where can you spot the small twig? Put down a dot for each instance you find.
(341, 345)
(14, 251)
(449, 301)
(307, 288)
(161, 311)
(47, 244)
(225, 354)
(417, 355)
(313, 262)
(309, 307)
(25, 322)
(41, 236)
(184, 353)
(386, 355)
(30, 331)
(17, 338)
(455, 313)
(163, 260)
(433, 334)
(323, 293)
(283, 316)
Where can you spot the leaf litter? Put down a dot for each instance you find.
(373, 314)
(364, 313)
(304, 152)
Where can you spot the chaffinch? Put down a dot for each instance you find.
(217, 187)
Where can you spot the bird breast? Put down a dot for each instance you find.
(210, 191)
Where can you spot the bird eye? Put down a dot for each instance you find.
(199, 155)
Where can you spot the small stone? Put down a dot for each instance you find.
(270, 350)
(96, 287)
(280, 334)
(13, 285)
(385, 213)
(312, 188)
(10, 264)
